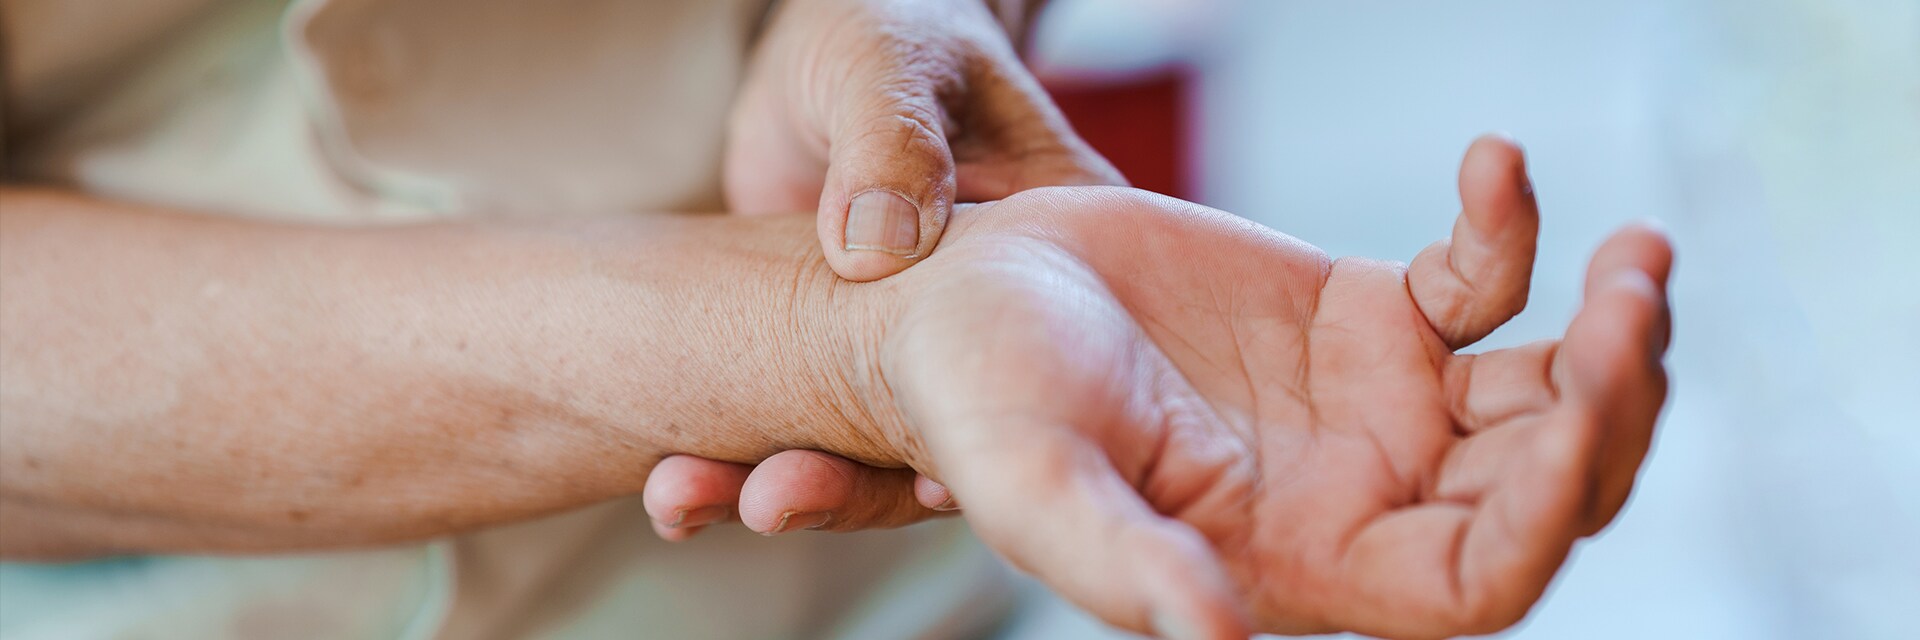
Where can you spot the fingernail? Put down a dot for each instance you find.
(948, 505)
(700, 517)
(884, 222)
(1526, 175)
(1173, 627)
(796, 521)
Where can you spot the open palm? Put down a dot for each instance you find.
(1187, 423)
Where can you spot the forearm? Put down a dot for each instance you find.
(220, 385)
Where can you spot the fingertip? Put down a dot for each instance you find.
(659, 502)
(1616, 340)
(672, 534)
(933, 495)
(1498, 145)
(1636, 300)
(1659, 241)
(865, 266)
(798, 490)
(680, 482)
(1641, 247)
(889, 187)
(879, 233)
(1649, 316)
(1494, 177)
(795, 481)
(1479, 277)
(1632, 281)
(1499, 219)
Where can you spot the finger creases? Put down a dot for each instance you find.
(684, 494)
(1473, 282)
(811, 490)
(1611, 370)
(1473, 567)
(889, 186)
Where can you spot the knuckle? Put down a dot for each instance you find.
(909, 129)
(905, 149)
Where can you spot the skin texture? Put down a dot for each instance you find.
(180, 383)
(1245, 416)
(924, 99)
(1186, 423)
(1276, 440)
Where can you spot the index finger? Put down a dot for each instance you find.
(1610, 365)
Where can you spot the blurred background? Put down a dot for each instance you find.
(1779, 140)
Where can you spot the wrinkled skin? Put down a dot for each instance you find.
(923, 99)
(1194, 426)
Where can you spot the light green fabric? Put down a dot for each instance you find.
(397, 593)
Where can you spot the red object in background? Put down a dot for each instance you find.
(1137, 123)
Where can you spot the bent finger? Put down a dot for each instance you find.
(1610, 364)
(1473, 282)
(1562, 475)
(810, 490)
(890, 179)
(934, 495)
(685, 494)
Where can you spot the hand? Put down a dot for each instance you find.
(1178, 418)
(923, 100)
(1188, 424)
(881, 115)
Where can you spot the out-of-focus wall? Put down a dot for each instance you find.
(1778, 139)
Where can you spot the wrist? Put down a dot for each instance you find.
(721, 337)
(840, 327)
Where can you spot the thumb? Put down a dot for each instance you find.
(889, 185)
(1055, 507)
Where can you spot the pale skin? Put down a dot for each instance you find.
(1234, 432)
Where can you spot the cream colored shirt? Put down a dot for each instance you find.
(364, 112)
